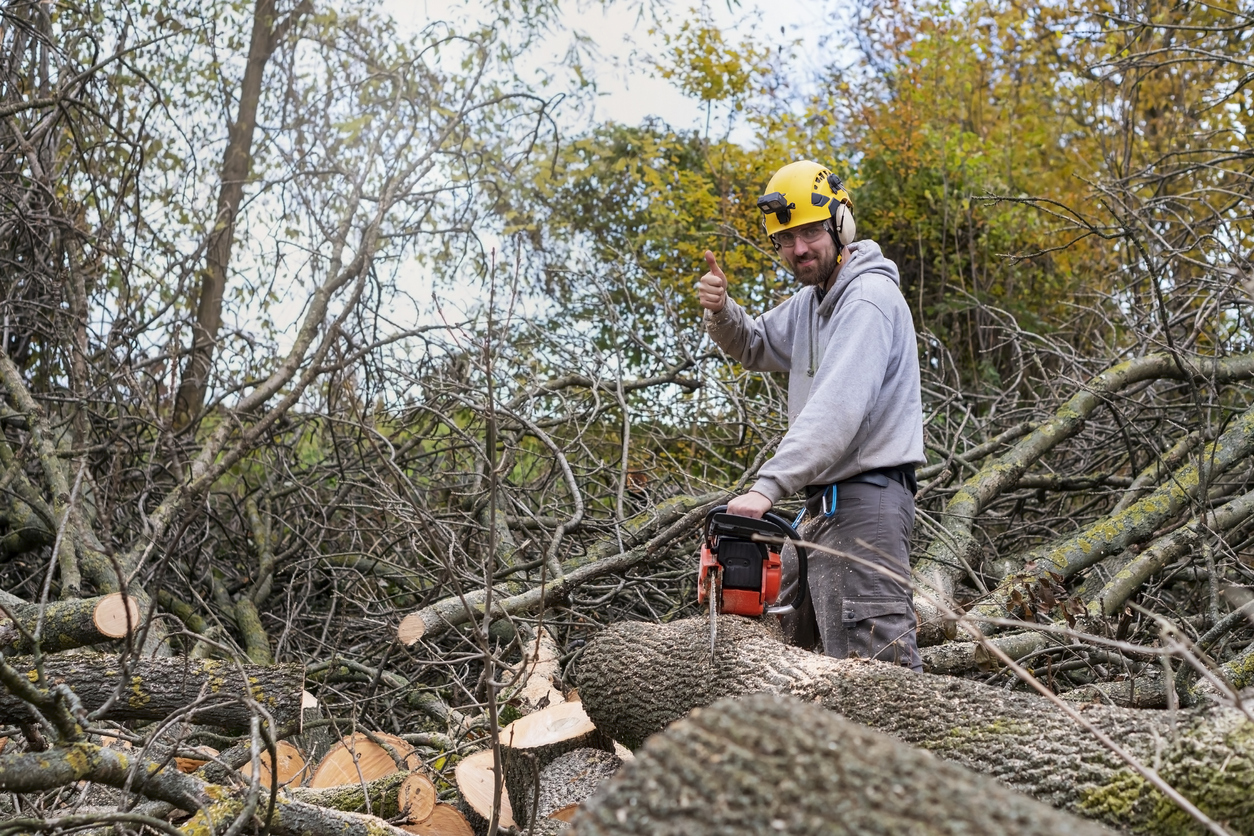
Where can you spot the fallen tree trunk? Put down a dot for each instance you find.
(209, 690)
(531, 743)
(636, 678)
(767, 763)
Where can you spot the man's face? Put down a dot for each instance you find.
(813, 261)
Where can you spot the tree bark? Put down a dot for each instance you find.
(769, 764)
(77, 622)
(942, 566)
(156, 688)
(636, 678)
(236, 163)
(531, 743)
(216, 807)
(410, 794)
(572, 778)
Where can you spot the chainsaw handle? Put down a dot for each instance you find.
(784, 527)
(803, 569)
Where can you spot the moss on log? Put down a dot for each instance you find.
(772, 764)
(153, 689)
(70, 624)
(637, 678)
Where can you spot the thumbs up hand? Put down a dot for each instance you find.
(712, 289)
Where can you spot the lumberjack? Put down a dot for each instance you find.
(855, 413)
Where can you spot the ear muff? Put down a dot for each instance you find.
(842, 221)
(846, 229)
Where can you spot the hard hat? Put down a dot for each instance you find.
(803, 192)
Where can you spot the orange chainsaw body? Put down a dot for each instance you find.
(747, 575)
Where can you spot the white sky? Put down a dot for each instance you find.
(630, 92)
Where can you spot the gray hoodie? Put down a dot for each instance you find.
(853, 374)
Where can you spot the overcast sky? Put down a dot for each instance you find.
(630, 92)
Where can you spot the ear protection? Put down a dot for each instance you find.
(845, 228)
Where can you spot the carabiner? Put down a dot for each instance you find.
(829, 501)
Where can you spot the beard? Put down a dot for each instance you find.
(816, 269)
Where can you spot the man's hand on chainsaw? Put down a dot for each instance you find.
(751, 504)
(712, 289)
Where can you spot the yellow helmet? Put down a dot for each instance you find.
(805, 192)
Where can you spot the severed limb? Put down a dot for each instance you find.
(955, 546)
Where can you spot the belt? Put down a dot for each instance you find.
(881, 476)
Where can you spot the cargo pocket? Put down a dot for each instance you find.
(879, 628)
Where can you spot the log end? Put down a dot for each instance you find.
(476, 781)
(411, 629)
(116, 616)
(416, 797)
(444, 820)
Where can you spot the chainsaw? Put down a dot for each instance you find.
(741, 569)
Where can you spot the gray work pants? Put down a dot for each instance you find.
(852, 609)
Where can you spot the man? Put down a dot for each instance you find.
(855, 414)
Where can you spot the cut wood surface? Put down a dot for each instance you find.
(445, 820)
(566, 813)
(637, 678)
(531, 743)
(291, 765)
(189, 765)
(154, 688)
(71, 624)
(357, 759)
(540, 669)
(773, 764)
(116, 615)
(475, 781)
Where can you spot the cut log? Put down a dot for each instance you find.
(445, 820)
(570, 779)
(566, 813)
(214, 806)
(531, 743)
(151, 688)
(540, 669)
(636, 678)
(475, 781)
(291, 766)
(78, 622)
(357, 759)
(406, 795)
(772, 764)
(188, 765)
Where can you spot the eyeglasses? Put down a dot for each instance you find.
(809, 234)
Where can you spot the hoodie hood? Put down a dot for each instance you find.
(865, 257)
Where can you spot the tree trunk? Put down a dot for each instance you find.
(153, 689)
(770, 764)
(636, 678)
(236, 163)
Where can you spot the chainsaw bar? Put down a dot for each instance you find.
(713, 593)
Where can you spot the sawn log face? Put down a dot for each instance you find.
(771, 764)
(636, 678)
